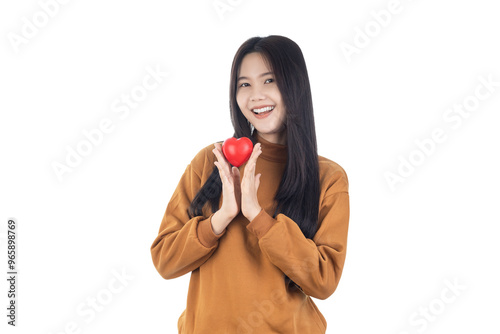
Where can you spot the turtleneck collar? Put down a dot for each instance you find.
(271, 151)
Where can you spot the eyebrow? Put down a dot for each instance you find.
(262, 75)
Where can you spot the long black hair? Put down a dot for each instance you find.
(297, 196)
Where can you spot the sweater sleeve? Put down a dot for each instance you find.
(183, 244)
(315, 265)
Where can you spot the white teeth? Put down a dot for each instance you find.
(261, 110)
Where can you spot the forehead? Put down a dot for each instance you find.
(253, 64)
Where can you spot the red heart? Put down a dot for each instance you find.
(237, 151)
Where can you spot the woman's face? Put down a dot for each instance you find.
(259, 98)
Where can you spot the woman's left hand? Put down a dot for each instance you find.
(249, 185)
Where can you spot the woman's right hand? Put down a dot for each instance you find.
(231, 191)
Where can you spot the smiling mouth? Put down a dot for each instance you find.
(262, 110)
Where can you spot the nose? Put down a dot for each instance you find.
(256, 94)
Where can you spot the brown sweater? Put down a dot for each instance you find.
(237, 277)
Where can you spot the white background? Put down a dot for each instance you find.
(439, 225)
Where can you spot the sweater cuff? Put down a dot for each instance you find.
(206, 234)
(261, 224)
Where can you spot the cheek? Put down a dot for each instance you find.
(275, 93)
(240, 100)
(282, 116)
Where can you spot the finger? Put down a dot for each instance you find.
(220, 158)
(257, 181)
(236, 175)
(221, 171)
(249, 176)
(223, 175)
(236, 179)
(257, 150)
(218, 147)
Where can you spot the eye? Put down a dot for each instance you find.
(244, 84)
(269, 80)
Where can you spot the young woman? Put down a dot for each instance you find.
(262, 239)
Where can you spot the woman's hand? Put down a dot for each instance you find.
(249, 185)
(231, 188)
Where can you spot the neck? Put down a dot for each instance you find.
(271, 151)
(275, 138)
